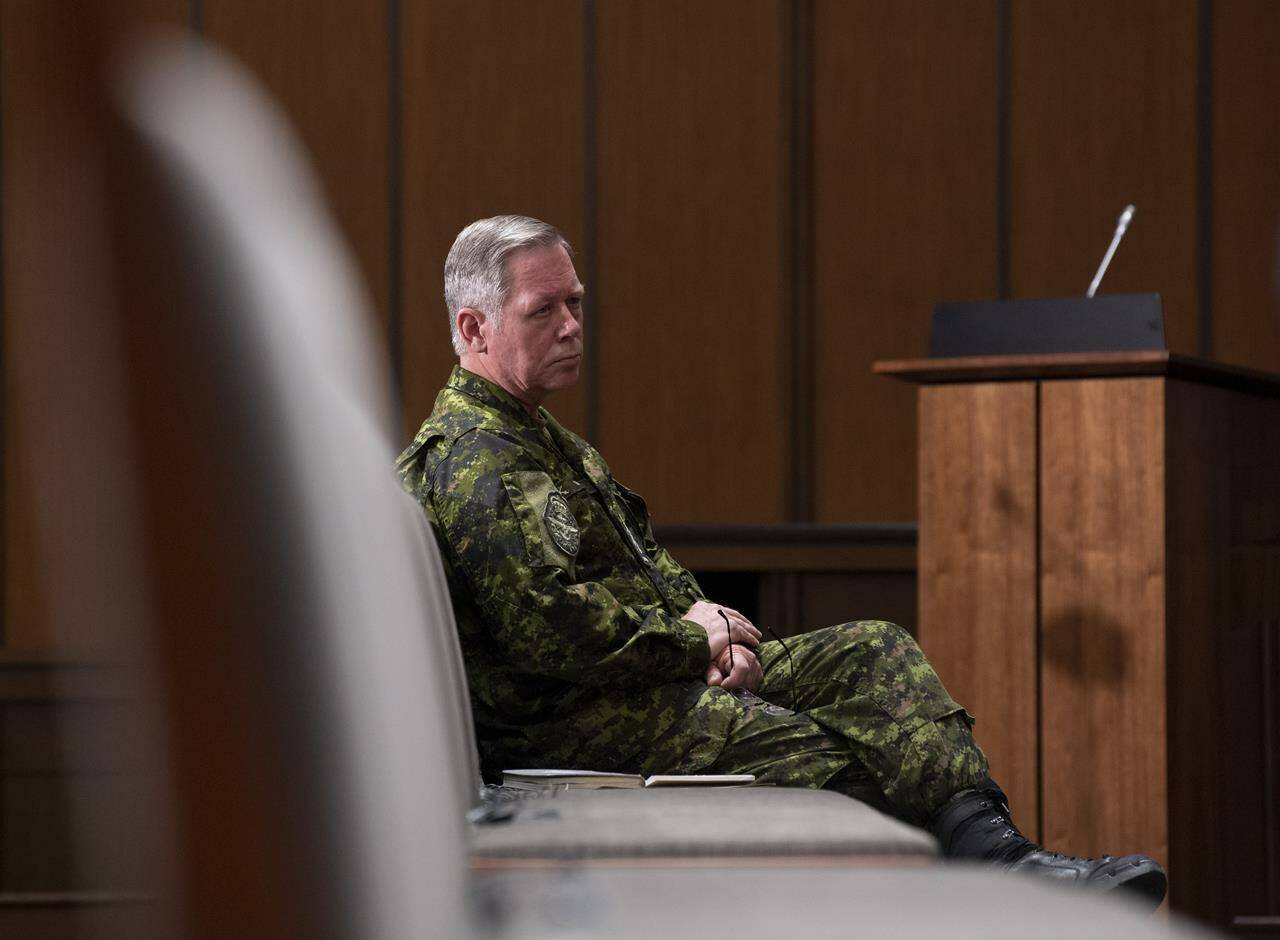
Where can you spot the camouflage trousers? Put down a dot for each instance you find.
(855, 708)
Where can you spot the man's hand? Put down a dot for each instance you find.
(740, 629)
(745, 671)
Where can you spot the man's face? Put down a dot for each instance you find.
(538, 348)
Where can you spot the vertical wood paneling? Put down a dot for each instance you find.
(38, 86)
(1103, 584)
(1199, 636)
(694, 321)
(1252, 809)
(905, 195)
(493, 124)
(326, 64)
(798, 267)
(1252, 658)
(1103, 113)
(978, 569)
(1246, 183)
(48, 76)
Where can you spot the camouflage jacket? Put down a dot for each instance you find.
(568, 611)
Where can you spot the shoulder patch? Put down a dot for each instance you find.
(561, 524)
(549, 530)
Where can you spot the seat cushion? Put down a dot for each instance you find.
(688, 822)
(953, 900)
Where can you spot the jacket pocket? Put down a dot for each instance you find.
(546, 520)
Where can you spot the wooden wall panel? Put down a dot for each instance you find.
(1102, 491)
(977, 575)
(829, 597)
(326, 64)
(1103, 113)
(905, 215)
(1246, 184)
(52, 253)
(493, 124)
(1200, 635)
(693, 312)
(1251, 865)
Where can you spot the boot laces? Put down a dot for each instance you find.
(1008, 851)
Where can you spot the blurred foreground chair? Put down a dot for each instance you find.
(289, 615)
(282, 636)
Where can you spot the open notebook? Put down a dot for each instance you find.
(549, 779)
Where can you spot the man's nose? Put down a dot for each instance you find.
(571, 326)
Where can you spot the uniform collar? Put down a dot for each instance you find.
(494, 396)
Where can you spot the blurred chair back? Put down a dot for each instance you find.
(449, 669)
(307, 748)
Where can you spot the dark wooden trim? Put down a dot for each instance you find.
(590, 206)
(1262, 923)
(787, 548)
(1004, 183)
(1080, 366)
(792, 533)
(779, 597)
(798, 259)
(26, 680)
(4, 402)
(196, 17)
(29, 899)
(395, 215)
(1204, 178)
(1269, 656)
(801, 557)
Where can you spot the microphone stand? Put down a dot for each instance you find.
(1121, 227)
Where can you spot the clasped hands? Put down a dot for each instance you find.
(733, 659)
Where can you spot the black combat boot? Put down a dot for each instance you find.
(975, 824)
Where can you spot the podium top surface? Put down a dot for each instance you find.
(1079, 366)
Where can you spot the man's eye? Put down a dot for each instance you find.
(575, 301)
(542, 311)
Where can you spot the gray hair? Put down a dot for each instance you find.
(475, 272)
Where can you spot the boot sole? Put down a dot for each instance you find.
(1146, 889)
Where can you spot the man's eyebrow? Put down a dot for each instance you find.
(542, 298)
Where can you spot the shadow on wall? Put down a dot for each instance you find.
(1087, 645)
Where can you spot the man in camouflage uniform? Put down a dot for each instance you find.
(588, 645)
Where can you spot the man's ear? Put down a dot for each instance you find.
(470, 320)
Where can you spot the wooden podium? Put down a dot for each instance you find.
(1099, 580)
